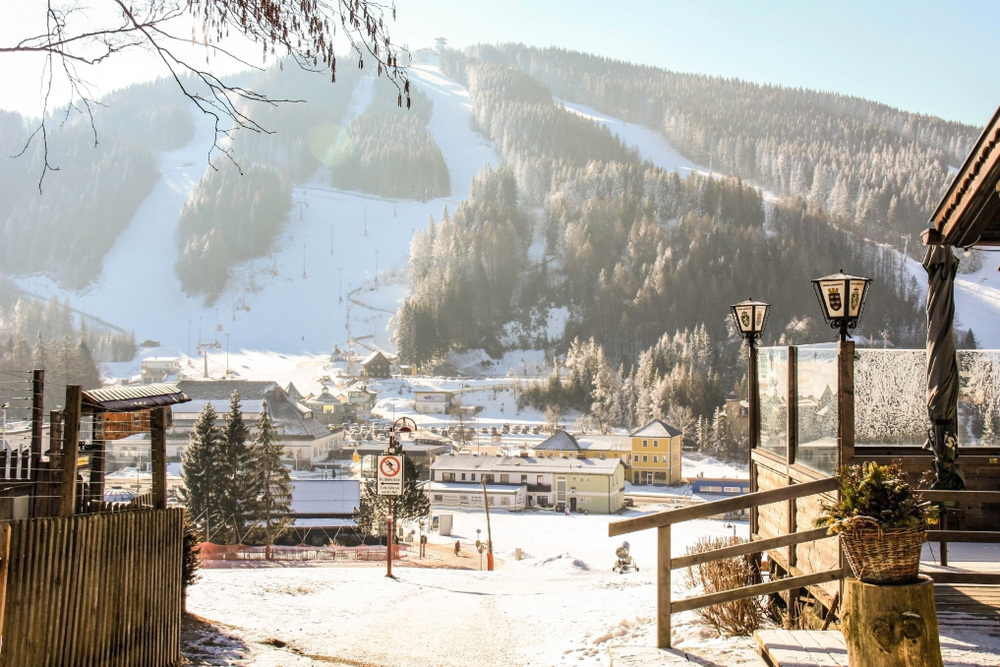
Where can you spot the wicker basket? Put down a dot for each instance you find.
(883, 555)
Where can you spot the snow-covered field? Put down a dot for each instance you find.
(560, 605)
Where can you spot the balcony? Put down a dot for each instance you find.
(539, 488)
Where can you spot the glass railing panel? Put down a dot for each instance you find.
(772, 383)
(890, 404)
(817, 407)
(979, 398)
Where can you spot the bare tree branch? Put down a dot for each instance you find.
(302, 30)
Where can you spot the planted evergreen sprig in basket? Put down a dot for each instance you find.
(881, 523)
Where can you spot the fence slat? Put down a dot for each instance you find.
(96, 589)
(744, 548)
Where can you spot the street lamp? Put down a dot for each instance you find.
(842, 298)
(750, 317)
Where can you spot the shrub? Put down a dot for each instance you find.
(736, 618)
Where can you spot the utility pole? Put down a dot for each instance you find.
(489, 532)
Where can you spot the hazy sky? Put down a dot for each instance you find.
(931, 57)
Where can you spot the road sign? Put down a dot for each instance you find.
(390, 475)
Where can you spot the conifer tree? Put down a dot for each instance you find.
(234, 460)
(271, 483)
(412, 505)
(203, 488)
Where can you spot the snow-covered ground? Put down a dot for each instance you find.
(560, 605)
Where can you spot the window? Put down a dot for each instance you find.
(505, 500)
(472, 476)
(438, 498)
(731, 489)
(448, 477)
(505, 479)
(636, 458)
(656, 459)
(645, 458)
(586, 501)
(488, 478)
(645, 443)
(656, 443)
(541, 479)
(463, 476)
(524, 479)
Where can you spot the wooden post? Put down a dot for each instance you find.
(891, 626)
(158, 448)
(663, 587)
(489, 531)
(37, 416)
(845, 398)
(71, 450)
(97, 456)
(4, 562)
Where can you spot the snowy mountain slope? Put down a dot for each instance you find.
(323, 275)
(296, 301)
(651, 145)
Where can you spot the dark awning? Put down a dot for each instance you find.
(139, 397)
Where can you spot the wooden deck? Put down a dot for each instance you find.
(965, 612)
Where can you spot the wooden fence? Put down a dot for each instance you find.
(93, 590)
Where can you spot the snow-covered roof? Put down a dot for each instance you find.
(561, 441)
(324, 523)
(223, 389)
(325, 496)
(466, 462)
(220, 405)
(616, 443)
(656, 429)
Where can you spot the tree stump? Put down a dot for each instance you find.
(891, 626)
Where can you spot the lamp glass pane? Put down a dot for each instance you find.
(857, 291)
(760, 312)
(744, 318)
(834, 298)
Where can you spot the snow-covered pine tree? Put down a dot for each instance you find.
(270, 483)
(237, 501)
(202, 475)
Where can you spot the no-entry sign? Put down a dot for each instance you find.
(390, 475)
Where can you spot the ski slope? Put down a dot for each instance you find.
(341, 259)
(339, 270)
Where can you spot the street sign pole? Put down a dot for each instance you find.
(388, 544)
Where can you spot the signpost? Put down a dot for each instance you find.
(389, 480)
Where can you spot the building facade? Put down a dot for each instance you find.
(432, 402)
(376, 365)
(656, 454)
(305, 440)
(594, 485)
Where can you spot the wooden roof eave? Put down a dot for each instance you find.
(969, 213)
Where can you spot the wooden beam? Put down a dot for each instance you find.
(977, 536)
(845, 395)
(758, 589)
(980, 578)
(756, 546)
(37, 417)
(663, 587)
(970, 497)
(670, 517)
(931, 236)
(158, 448)
(71, 450)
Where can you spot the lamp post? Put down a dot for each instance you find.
(842, 298)
(750, 317)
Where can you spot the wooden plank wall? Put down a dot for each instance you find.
(94, 590)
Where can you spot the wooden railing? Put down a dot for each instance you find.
(943, 535)
(665, 563)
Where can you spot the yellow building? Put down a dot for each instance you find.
(656, 454)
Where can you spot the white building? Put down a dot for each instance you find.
(595, 485)
(432, 402)
(158, 369)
